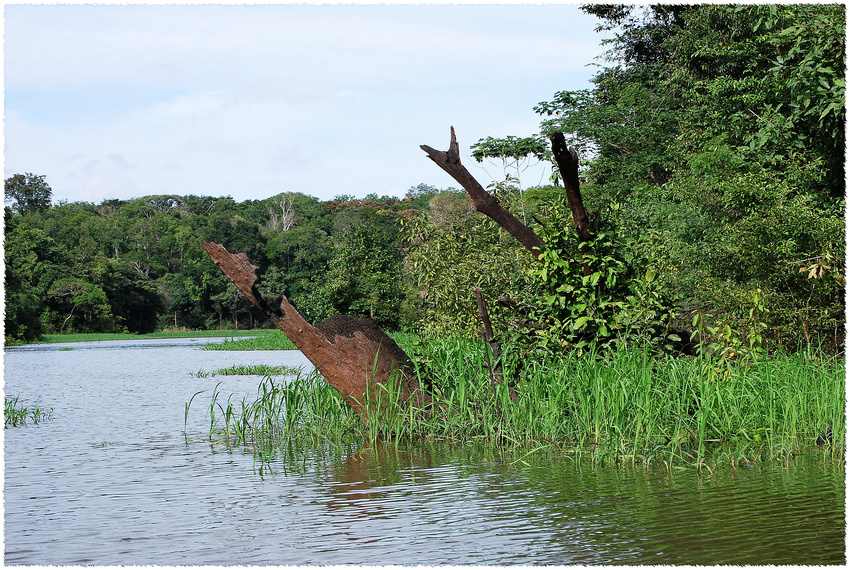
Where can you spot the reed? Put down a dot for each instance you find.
(16, 414)
(288, 417)
(274, 340)
(624, 407)
(251, 370)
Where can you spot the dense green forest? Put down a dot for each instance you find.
(712, 161)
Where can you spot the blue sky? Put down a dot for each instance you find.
(121, 101)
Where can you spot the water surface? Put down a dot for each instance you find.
(113, 480)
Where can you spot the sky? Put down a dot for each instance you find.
(123, 101)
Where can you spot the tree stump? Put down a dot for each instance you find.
(352, 354)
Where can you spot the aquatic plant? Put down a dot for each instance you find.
(15, 414)
(305, 408)
(275, 340)
(628, 406)
(251, 370)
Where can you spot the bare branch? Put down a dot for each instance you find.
(484, 202)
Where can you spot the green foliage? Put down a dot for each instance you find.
(720, 130)
(512, 147)
(768, 78)
(83, 305)
(583, 285)
(592, 297)
(32, 259)
(28, 193)
(515, 153)
(451, 248)
(364, 277)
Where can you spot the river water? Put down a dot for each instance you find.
(113, 480)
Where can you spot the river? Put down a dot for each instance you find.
(113, 480)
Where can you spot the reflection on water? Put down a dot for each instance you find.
(112, 480)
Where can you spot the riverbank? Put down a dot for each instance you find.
(626, 407)
(90, 337)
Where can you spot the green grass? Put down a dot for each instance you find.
(252, 370)
(627, 407)
(88, 337)
(304, 410)
(274, 340)
(16, 414)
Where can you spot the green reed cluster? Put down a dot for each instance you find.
(16, 414)
(274, 340)
(303, 408)
(250, 370)
(626, 406)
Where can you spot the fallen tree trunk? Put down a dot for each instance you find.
(352, 354)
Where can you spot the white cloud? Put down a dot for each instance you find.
(120, 101)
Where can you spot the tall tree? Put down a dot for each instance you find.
(28, 193)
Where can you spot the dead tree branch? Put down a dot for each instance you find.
(567, 160)
(483, 200)
(494, 365)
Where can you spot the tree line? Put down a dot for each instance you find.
(138, 266)
(711, 147)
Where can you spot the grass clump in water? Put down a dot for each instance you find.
(16, 414)
(304, 410)
(275, 340)
(251, 370)
(625, 407)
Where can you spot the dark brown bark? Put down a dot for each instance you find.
(567, 160)
(494, 365)
(352, 354)
(486, 331)
(483, 200)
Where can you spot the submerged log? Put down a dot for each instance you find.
(352, 354)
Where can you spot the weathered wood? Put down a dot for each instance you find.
(352, 354)
(496, 375)
(494, 365)
(567, 160)
(483, 200)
